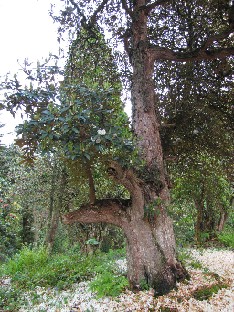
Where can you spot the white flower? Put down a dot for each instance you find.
(102, 131)
(195, 131)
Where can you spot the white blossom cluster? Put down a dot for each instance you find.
(101, 131)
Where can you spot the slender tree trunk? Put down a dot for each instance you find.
(222, 220)
(56, 206)
(53, 230)
(199, 221)
(51, 206)
(27, 224)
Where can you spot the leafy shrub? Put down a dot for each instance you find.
(30, 260)
(9, 299)
(227, 238)
(107, 284)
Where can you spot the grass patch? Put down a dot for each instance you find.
(206, 292)
(36, 267)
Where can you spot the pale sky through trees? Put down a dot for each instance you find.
(26, 31)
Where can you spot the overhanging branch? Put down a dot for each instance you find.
(158, 53)
(133, 184)
(202, 53)
(107, 211)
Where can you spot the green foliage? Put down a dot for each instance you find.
(227, 238)
(201, 194)
(10, 218)
(151, 209)
(195, 264)
(9, 227)
(92, 241)
(108, 284)
(27, 259)
(206, 292)
(183, 215)
(144, 285)
(184, 257)
(11, 299)
(36, 267)
(83, 117)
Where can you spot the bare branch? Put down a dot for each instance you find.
(93, 18)
(148, 8)
(108, 211)
(83, 20)
(126, 8)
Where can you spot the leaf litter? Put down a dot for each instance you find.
(217, 268)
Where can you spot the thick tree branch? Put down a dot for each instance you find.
(202, 53)
(158, 53)
(108, 211)
(125, 177)
(132, 183)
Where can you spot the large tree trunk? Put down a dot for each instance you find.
(155, 236)
(148, 263)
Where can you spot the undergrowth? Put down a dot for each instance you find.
(36, 267)
(227, 239)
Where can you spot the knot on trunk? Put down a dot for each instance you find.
(115, 171)
(150, 176)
